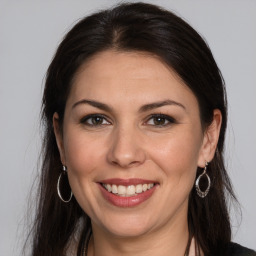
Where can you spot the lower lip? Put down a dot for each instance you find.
(130, 201)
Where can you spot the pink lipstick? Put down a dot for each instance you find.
(127, 192)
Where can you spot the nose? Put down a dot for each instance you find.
(126, 148)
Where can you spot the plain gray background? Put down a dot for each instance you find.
(29, 34)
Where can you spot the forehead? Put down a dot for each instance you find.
(129, 76)
(132, 65)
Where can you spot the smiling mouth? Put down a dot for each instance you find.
(128, 191)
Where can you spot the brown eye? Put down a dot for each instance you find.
(94, 120)
(160, 120)
(97, 120)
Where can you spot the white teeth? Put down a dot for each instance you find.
(138, 189)
(130, 190)
(114, 189)
(121, 190)
(145, 187)
(109, 188)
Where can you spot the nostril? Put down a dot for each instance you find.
(115, 163)
(125, 164)
(134, 163)
(125, 156)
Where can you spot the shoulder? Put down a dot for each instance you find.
(235, 249)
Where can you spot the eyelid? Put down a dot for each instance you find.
(87, 117)
(170, 119)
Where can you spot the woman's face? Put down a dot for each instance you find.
(132, 141)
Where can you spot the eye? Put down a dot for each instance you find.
(160, 120)
(95, 120)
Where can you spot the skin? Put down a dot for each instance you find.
(129, 143)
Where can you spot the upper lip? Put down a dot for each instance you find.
(126, 182)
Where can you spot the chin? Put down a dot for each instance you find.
(129, 231)
(127, 226)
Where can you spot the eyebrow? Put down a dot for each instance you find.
(143, 108)
(159, 104)
(93, 103)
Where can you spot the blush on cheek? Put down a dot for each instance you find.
(80, 164)
(81, 155)
(177, 157)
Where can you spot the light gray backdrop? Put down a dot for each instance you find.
(29, 34)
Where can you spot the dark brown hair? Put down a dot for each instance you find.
(133, 27)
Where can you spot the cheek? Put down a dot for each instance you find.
(81, 153)
(83, 157)
(177, 154)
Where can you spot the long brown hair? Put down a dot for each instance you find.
(133, 27)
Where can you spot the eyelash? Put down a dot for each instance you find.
(168, 120)
(85, 119)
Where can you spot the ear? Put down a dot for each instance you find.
(58, 136)
(210, 140)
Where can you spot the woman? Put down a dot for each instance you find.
(135, 114)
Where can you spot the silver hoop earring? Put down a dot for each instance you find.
(64, 174)
(198, 190)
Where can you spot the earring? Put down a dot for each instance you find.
(65, 176)
(199, 191)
